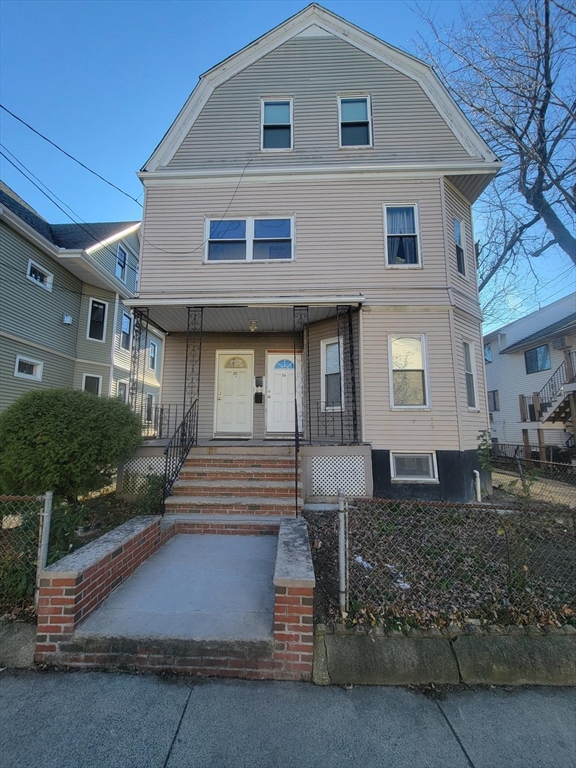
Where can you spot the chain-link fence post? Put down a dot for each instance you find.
(43, 538)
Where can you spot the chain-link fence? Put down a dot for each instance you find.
(422, 564)
(535, 481)
(19, 539)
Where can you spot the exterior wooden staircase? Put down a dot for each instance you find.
(250, 481)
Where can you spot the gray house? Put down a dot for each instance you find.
(309, 250)
(63, 320)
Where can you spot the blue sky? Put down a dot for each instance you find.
(105, 78)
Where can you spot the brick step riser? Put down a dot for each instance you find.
(265, 476)
(218, 461)
(267, 491)
(252, 509)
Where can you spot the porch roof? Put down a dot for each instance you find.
(237, 315)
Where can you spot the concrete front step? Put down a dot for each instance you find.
(238, 505)
(233, 488)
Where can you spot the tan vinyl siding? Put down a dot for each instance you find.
(90, 349)
(58, 371)
(418, 430)
(339, 240)
(472, 421)
(314, 71)
(173, 381)
(30, 311)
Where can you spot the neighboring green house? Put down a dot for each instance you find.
(63, 322)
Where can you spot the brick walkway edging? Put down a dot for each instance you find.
(73, 588)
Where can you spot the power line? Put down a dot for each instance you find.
(111, 184)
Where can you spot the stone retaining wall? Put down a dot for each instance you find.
(493, 656)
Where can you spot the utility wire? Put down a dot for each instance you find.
(111, 184)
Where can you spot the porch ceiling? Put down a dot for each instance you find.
(237, 319)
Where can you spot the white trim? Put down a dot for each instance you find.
(125, 270)
(47, 286)
(113, 238)
(472, 349)
(247, 353)
(427, 406)
(362, 374)
(100, 301)
(326, 408)
(249, 239)
(94, 376)
(26, 342)
(432, 464)
(130, 317)
(155, 345)
(361, 95)
(264, 100)
(314, 15)
(38, 364)
(416, 206)
(252, 301)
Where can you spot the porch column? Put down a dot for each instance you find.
(345, 322)
(193, 357)
(138, 359)
(302, 377)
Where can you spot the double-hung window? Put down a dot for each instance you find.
(122, 391)
(459, 242)
(97, 320)
(121, 259)
(250, 239)
(355, 121)
(487, 352)
(401, 236)
(153, 355)
(468, 349)
(92, 384)
(39, 275)
(126, 331)
(277, 124)
(493, 400)
(408, 360)
(331, 362)
(149, 406)
(537, 359)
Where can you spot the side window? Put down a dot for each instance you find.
(487, 352)
(97, 312)
(355, 121)
(493, 400)
(26, 368)
(121, 259)
(37, 274)
(149, 406)
(401, 236)
(331, 384)
(537, 359)
(468, 349)
(92, 384)
(126, 332)
(122, 391)
(153, 355)
(408, 372)
(459, 241)
(277, 124)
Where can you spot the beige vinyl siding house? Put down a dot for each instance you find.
(300, 249)
(57, 281)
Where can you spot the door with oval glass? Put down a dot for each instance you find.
(280, 389)
(234, 376)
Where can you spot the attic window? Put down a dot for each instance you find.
(277, 124)
(39, 275)
(355, 123)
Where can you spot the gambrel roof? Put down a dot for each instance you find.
(312, 21)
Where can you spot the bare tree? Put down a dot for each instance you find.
(511, 66)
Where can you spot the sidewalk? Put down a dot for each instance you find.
(109, 720)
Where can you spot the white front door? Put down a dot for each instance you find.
(234, 393)
(280, 388)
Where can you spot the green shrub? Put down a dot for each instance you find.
(64, 440)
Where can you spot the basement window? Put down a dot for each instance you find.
(413, 467)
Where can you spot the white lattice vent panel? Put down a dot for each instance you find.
(138, 470)
(330, 473)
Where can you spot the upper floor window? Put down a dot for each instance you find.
(121, 259)
(468, 349)
(493, 400)
(355, 121)
(401, 236)
(487, 352)
(408, 372)
(97, 320)
(39, 275)
(126, 331)
(153, 355)
(537, 359)
(277, 124)
(331, 383)
(459, 241)
(250, 240)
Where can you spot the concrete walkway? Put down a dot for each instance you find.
(115, 720)
(197, 587)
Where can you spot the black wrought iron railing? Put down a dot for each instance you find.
(553, 386)
(332, 423)
(162, 421)
(175, 453)
(296, 455)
